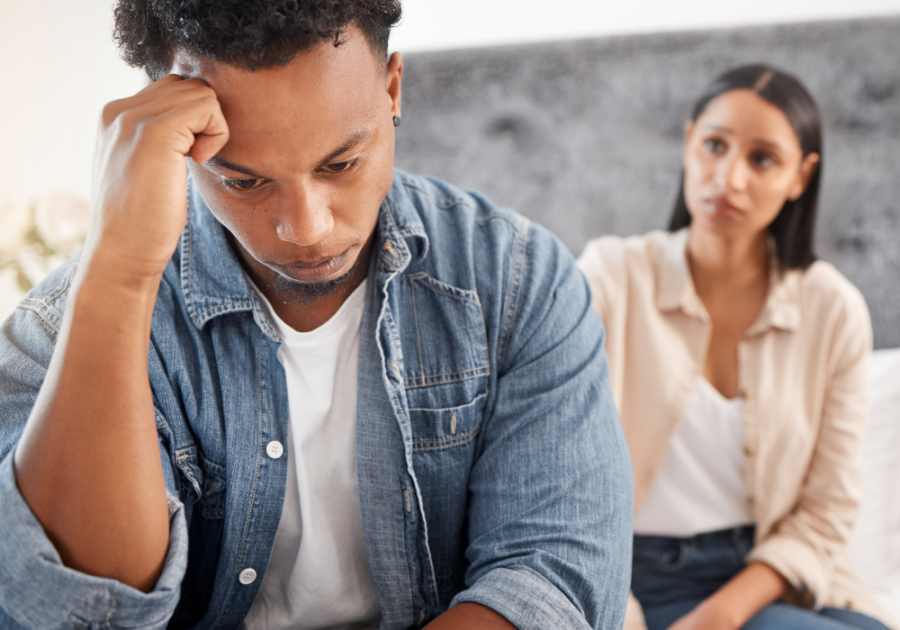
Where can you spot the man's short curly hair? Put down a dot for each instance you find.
(245, 33)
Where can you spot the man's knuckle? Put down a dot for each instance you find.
(148, 128)
(208, 98)
(110, 112)
(129, 121)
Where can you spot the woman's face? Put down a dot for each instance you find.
(742, 162)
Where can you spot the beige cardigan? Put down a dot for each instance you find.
(803, 381)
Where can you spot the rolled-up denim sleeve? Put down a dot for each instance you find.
(551, 503)
(526, 598)
(40, 593)
(37, 591)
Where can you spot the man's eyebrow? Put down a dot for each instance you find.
(218, 160)
(351, 142)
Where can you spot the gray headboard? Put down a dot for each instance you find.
(584, 136)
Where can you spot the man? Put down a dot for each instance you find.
(371, 399)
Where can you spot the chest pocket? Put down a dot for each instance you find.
(202, 482)
(444, 346)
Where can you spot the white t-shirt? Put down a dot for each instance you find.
(318, 576)
(700, 487)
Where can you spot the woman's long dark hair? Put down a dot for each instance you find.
(793, 228)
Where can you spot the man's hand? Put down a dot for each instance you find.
(88, 463)
(470, 616)
(139, 204)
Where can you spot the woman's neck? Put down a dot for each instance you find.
(726, 265)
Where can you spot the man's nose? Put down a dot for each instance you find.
(306, 217)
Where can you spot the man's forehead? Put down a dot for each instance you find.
(326, 62)
(295, 117)
(309, 106)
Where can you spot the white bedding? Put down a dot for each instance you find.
(875, 545)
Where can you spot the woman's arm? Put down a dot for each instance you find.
(802, 545)
(734, 604)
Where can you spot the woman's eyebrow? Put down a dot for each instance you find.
(768, 143)
(762, 141)
(715, 127)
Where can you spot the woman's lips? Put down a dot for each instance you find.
(721, 208)
(301, 271)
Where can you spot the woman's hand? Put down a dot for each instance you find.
(734, 604)
(710, 615)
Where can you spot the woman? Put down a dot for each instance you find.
(738, 363)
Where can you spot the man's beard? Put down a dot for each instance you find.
(307, 293)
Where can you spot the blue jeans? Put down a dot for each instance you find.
(671, 576)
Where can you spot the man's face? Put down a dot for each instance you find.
(308, 161)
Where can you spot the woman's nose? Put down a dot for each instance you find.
(732, 173)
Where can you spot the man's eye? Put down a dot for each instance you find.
(242, 184)
(339, 167)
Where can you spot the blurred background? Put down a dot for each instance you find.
(568, 111)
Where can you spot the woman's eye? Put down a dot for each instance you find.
(714, 145)
(763, 160)
(243, 184)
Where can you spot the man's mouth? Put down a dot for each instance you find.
(314, 271)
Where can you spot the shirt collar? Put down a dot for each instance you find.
(675, 288)
(213, 281)
(400, 235)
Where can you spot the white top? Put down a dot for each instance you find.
(700, 486)
(318, 576)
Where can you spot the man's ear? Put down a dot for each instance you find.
(808, 168)
(394, 80)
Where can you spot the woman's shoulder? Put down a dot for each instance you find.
(822, 286)
(625, 257)
(826, 293)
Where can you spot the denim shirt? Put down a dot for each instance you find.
(492, 466)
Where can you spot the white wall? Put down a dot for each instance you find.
(437, 24)
(57, 68)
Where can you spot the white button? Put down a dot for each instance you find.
(274, 449)
(247, 576)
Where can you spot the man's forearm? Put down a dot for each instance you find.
(88, 461)
(470, 616)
